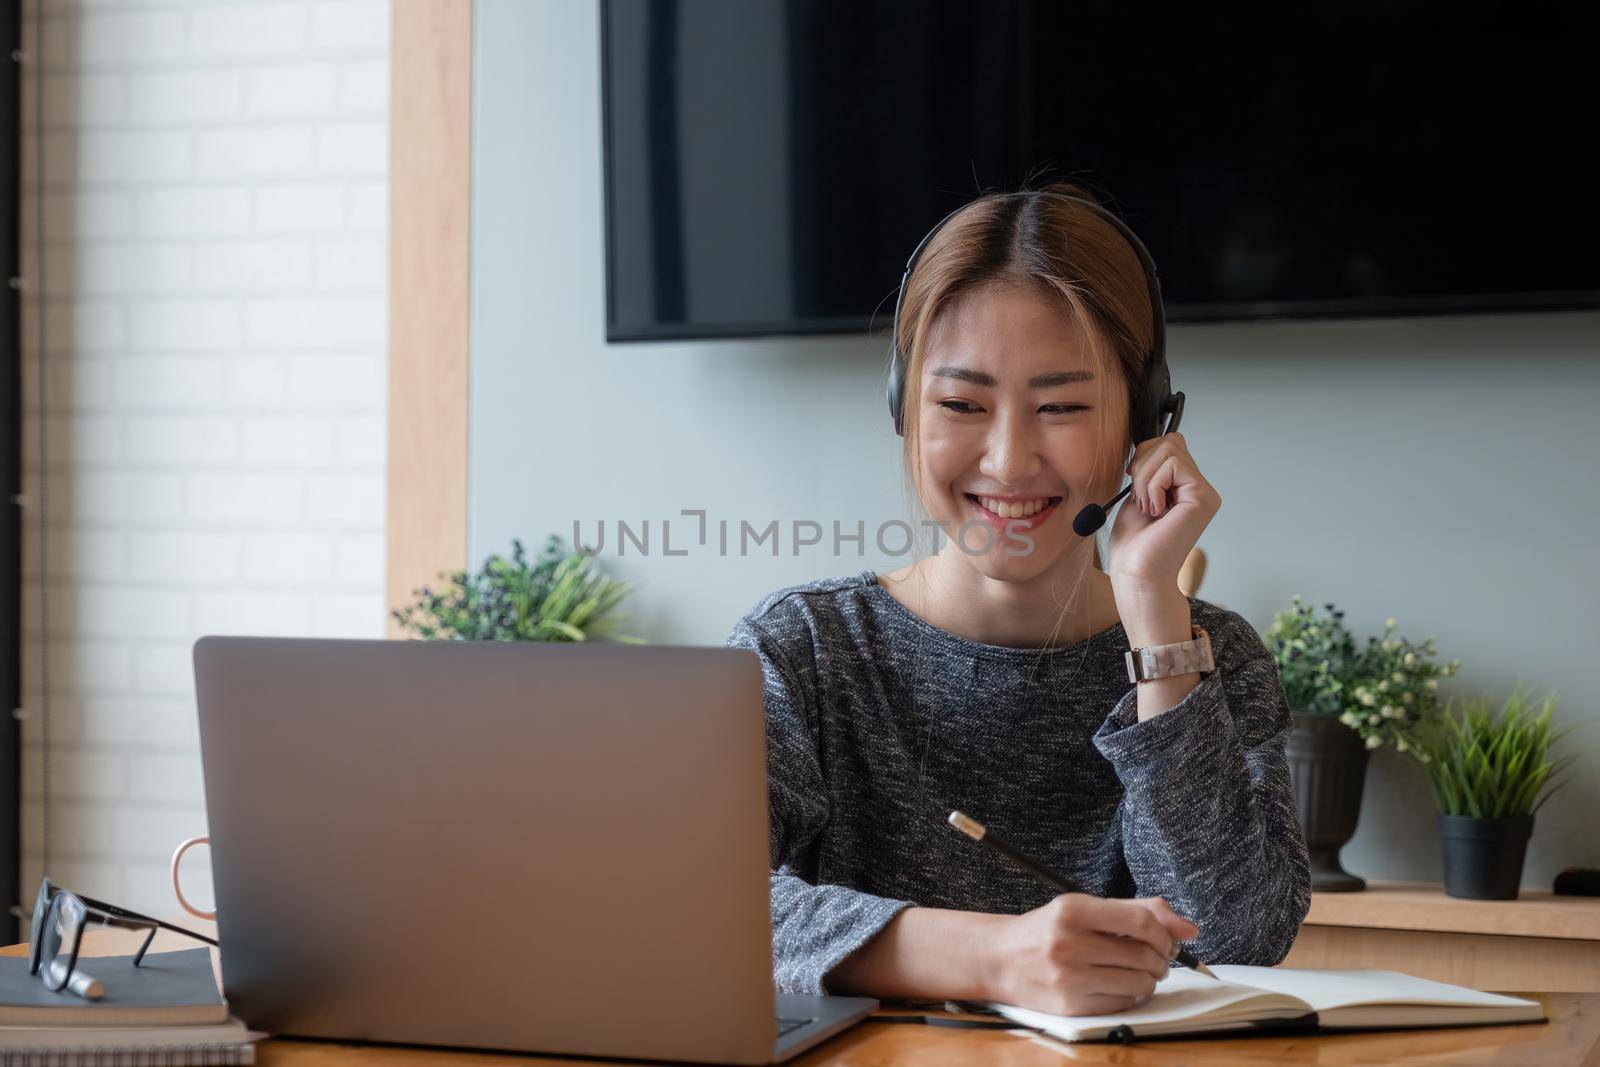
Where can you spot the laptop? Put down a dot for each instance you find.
(556, 848)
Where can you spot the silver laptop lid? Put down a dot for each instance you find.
(547, 847)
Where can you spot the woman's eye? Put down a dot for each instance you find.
(963, 407)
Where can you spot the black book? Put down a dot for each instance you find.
(168, 988)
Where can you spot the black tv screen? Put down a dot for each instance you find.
(770, 164)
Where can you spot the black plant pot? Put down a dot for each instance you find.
(1328, 765)
(1483, 857)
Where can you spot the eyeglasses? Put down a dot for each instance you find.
(59, 919)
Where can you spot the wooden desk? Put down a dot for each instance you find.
(1571, 1037)
(1538, 941)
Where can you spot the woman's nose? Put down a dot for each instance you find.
(1011, 455)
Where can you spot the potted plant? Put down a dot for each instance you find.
(1345, 701)
(1490, 773)
(558, 597)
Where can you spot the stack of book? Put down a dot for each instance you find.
(168, 1010)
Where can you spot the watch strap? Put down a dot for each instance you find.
(1165, 661)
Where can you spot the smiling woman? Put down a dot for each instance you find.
(994, 675)
(1014, 408)
(1045, 279)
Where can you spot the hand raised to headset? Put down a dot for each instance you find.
(1168, 507)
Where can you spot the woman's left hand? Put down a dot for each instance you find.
(1162, 518)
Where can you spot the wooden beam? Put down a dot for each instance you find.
(430, 123)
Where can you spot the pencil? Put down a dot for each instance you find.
(980, 833)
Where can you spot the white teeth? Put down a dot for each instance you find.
(1013, 511)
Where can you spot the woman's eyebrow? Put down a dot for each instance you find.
(1038, 381)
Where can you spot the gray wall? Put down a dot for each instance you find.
(1438, 470)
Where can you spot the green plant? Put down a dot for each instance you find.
(1312, 649)
(1384, 691)
(558, 597)
(1485, 765)
(1390, 689)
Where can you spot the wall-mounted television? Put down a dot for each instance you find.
(769, 164)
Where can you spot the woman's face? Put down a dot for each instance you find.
(1013, 430)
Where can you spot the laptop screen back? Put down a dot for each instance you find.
(552, 847)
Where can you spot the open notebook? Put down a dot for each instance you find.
(1249, 998)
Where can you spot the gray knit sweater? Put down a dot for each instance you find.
(879, 723)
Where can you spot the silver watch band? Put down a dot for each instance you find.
(1164, 661)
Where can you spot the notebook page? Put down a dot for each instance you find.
(1183, 1001)
(1327, 990)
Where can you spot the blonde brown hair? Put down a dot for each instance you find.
(1034, 238)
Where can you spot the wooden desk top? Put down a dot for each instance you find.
(1571, 1036)
(1424, 906)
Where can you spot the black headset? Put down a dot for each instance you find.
(1158, 400)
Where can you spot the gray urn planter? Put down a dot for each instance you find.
(1328, 766)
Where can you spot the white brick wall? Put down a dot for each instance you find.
(214, 207)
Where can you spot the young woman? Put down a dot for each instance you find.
(991, 679)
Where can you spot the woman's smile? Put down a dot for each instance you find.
(1021, 515)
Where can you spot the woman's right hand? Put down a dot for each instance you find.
(1085, 955)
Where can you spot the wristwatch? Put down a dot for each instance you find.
(1180, 657)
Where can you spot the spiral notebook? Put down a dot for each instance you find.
(1258, 998)
(126, 1046)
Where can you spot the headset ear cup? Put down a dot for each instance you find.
(897, 392)
(1147, 419)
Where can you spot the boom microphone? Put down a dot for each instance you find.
(1093, 516)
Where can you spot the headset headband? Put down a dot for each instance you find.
(1158, 399)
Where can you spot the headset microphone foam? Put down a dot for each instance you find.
(1093, 516)
(1158, 399)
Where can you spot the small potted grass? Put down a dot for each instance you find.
(1490, 771)
(559, 596)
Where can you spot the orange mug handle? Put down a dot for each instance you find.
(177, 858)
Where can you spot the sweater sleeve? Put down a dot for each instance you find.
(1208, 814)
(814, 927)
